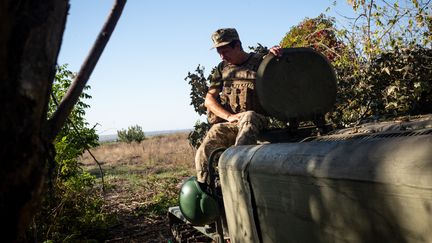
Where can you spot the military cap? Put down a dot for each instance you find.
(223, 37)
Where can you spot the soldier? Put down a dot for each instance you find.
(231, 101)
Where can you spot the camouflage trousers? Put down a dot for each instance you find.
(226, 134)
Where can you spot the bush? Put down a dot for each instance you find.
(390, 74)
(72, 208)
(318, 33)
(196, 136)
(381, 64)
(395, 83)
(133, 133)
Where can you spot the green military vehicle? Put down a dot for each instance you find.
(369, 183)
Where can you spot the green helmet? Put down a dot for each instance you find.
(198, 207)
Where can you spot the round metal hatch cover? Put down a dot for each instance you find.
(299, 84)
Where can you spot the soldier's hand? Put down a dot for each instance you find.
(276, 50)
(234, 117)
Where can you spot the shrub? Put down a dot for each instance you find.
(390, 75)
(197, 135)
(381, 63)
(318, 33)
(133, 133)
(199, 87)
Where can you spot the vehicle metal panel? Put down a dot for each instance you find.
(376, 189)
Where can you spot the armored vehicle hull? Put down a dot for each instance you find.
(358, 187)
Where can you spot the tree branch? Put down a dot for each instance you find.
(58, 119)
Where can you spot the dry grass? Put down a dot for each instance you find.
(167, 150)
(141, 181)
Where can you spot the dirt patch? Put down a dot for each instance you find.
(132, 225)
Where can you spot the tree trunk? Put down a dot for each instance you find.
(30, 37)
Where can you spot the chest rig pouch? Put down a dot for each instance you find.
(238, 88)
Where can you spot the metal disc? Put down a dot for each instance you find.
(299, 84)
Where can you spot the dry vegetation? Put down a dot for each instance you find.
(141, 182)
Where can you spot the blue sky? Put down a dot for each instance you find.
(139, 79)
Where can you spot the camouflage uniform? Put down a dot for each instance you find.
(226, 134)
(237, 83)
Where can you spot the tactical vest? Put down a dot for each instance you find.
(238, 86)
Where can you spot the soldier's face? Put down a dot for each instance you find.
(228, 54)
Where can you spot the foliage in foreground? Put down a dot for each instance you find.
(72, 207)
(133, 133)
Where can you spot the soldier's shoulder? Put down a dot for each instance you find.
(222, 65)
(256, 59)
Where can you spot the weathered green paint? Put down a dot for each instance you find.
(299, 84)
(364, 189)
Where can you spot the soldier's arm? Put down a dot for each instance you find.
(212, 104)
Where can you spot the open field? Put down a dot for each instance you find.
(141, 182)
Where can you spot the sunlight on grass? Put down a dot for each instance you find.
(144, 176)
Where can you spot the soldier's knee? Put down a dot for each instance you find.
(250, 113)
(248, 117)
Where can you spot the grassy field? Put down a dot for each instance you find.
(141, 182)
